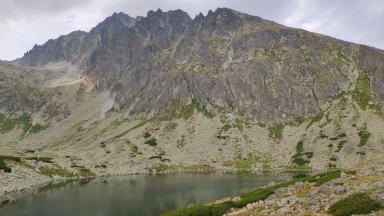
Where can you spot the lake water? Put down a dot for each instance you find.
(133, 195)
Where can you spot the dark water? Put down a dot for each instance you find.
(133, 195)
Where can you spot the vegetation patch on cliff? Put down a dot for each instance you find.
(364, 136)
(23, 121)
(276, 131)
(298, 157)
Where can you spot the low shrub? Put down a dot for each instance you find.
(151, 142)
(147, 135)
(364, 135)
(4, 167)
(276, 131)
(357, 203)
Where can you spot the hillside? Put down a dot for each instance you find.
(166, 93)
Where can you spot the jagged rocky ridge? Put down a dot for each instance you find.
(226, 60)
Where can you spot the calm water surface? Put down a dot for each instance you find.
(133, 195)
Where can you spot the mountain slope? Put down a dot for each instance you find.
(227, 61)
(225, 91)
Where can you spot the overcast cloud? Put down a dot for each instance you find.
(24, 23)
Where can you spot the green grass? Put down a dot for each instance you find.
(42, 159)
(50, 171)
(24, 122)
(357, 203)
(364, 135)
(276, 131)
(36, 128)
(362, 93)
(201, 109)
(314, 119)
(247, 163)
(270, 53)
(177, 109)
(6, 124)
(13, 158)
(251, 197)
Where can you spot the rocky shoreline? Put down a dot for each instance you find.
(358, 191)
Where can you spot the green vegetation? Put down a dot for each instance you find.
(23, 121)
(151, 142)
(83, 171)
(314, 119)
(147, 135)
(298, 157)
(270, 53)
(169, 127)
(201, 109)
(363, 94)
(357, 203)
(4, 167)
(58, 171)
(181, 142)
(340, 145)
(276, 131)
(360, 153)
(338, 136)
(134, 148)
(12, 158)
(177, 109)
(246, 164)
(258, 194)
(297, 121)
(261, 124)
(140, 124)
(160, 157)
(42, 159)
(364, 135)
(36, 128)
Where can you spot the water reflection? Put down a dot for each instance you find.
(133, 195)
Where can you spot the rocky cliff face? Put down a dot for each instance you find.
(227, 61)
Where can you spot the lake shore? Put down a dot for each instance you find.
(358, 191)
(308, 197)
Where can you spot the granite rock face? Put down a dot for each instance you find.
(227, 61)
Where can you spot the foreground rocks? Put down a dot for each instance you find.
(21, 180)
(305, 198)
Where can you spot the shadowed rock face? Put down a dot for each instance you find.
(227, 61)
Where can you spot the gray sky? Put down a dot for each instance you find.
(24, 23)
